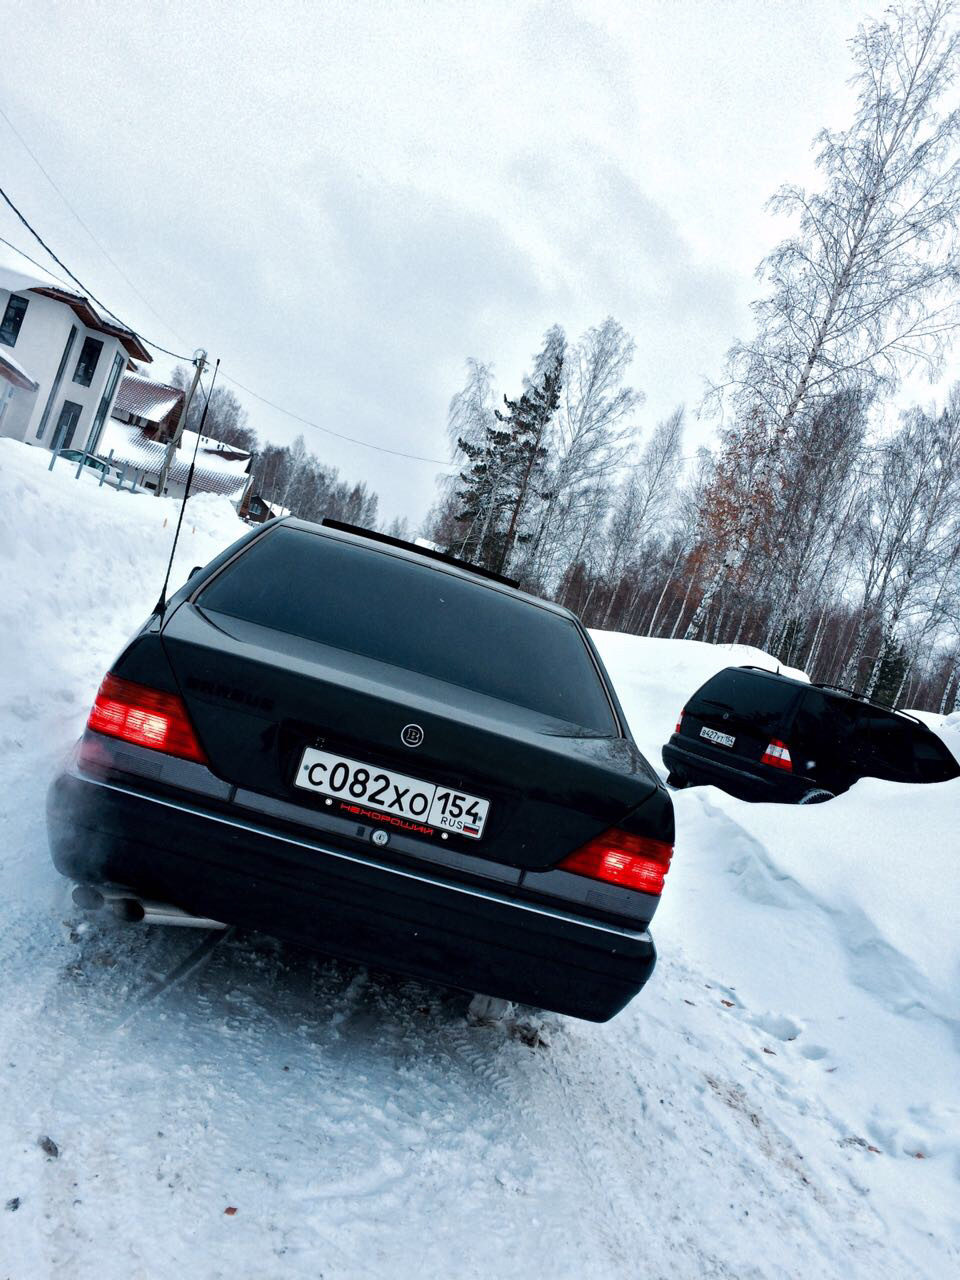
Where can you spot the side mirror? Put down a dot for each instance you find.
(194, 571)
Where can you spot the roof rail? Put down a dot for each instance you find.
(752, 666)
(342, 527)
(871, 702)
(840, 688)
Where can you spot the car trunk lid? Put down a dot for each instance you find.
(259, 698)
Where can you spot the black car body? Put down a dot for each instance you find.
(525, 855)
(761, 735)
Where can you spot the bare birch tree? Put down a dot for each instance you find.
(591, 435)
(642, 499)
(913, 525)
(868, 284)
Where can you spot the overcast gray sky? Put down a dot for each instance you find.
(344, 201)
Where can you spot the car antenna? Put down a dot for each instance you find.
(161, 603)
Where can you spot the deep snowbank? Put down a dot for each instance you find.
(80, 568)
(782, 1100)
(836, 927)
(887, 855)
(655, 678)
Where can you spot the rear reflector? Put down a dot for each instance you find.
(777, 754)
(633, 862)
(145, 717)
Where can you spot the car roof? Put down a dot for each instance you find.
(414, 556)
(835, 690)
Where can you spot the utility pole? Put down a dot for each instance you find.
(200, 363)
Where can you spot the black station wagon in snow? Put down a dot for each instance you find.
(764, 736)
(364, 747)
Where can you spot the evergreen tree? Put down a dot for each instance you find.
(892, 669)
(506, 479)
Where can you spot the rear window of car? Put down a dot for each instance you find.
(379, 605)
(761, 702)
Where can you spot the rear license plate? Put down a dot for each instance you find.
(391, 792)
(714, 735)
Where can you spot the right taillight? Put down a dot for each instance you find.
(777, 755)
(617, 857)
(145, 717)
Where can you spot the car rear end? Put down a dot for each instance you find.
(376, 757)
(734, 733)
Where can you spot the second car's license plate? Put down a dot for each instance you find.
(393, 793)
(714, 735)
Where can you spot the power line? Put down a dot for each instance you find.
(397, 453)
(307, 422)
(116, 266)
(88, 292)
(38, 265)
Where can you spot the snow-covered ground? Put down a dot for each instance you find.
(782, 1100)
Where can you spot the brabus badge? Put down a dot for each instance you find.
(412, 735)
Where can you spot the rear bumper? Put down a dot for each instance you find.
(702, 770)
(342, 902)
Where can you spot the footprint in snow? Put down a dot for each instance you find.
(777, 1025)
(813, 1052)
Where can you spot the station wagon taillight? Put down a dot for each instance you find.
(777, 754)
(679, 722)
(146, 717)
(633, 862)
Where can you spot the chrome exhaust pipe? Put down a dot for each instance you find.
(133, 910)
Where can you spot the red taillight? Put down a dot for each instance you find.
(145, 717)
(679, 722)
(777, 754)
(633, 862)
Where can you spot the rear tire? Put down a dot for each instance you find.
(674, 780)
(816, 796)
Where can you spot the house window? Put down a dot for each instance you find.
(87, 364)
(12, 320)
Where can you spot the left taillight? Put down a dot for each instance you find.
(145, 717)
(617, 857)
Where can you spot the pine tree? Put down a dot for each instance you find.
(506, 479)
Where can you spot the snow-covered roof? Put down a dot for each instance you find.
(145, 398)
(220, 468)
(13, 371)
(18, 273)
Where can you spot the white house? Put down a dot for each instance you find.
(61, 360)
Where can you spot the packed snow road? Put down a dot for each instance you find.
(781, 1100)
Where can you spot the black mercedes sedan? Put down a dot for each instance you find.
(362, 746)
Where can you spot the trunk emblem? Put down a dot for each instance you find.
(412, 735)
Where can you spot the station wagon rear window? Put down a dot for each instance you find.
(379, 605)
(749, 699)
